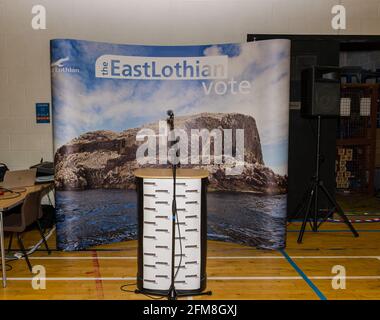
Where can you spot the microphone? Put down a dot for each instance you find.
(170, 113)
(170, 119)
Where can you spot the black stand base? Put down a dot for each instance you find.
(312, 195)
(173, 294)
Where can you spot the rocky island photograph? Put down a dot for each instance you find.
(102, 163)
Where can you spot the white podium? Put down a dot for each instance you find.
(155, 195)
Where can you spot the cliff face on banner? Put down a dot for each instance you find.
(106, 159)
(104, 95)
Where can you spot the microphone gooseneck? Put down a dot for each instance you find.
(170, 119)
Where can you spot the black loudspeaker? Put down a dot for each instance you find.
(320, 92)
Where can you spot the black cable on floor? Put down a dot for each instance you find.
(153, 298)
(8, 267)
(133, 291)
(127, 285)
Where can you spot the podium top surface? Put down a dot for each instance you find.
(155, 173)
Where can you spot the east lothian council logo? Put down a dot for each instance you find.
(61, 66)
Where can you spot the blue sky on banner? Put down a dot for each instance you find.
(82, 102)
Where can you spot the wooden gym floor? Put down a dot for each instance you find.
(234, 271)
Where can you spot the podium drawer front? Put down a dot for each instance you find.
(158, 183)
(188, 278)
(187, 213)
(189, 257)
(158, 187)
(192, 201)
(156, 279)
(164, 233)
(188, 184)
(158, 195)
(190, 225)
(158, 205)
(160, 248)
(163, 188)
(190, 234)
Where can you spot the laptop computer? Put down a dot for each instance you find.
(19, 178)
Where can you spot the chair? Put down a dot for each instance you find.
(17, 222)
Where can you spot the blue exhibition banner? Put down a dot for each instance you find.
(232, 107)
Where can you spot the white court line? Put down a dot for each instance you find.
(295, 278)
(347, 277)
(82, 258)
(213, 258)
(134, 278)
(257, 278)
(73, 278)
(134, 258)
(334, 257)
(209, 278)
(298, 257)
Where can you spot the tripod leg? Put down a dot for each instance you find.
(316, 210)
(300, 209)
(303, 202)
(301, 205)
(339, 210)
(306, 218)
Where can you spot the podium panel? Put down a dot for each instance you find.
(155, 196)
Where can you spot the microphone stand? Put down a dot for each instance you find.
(172, 294)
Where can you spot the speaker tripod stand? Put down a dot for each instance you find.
(310, 199)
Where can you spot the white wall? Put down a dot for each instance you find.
(24, 52)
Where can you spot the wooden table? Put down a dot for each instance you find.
(7, 204)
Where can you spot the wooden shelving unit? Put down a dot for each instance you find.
(356, 138)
